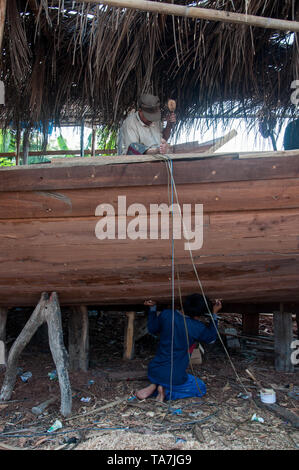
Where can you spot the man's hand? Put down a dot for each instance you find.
(149, 303)
(170, 122)
(217, 306)
(164, 147)
(171, 119)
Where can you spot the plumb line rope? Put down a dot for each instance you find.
(169, 166)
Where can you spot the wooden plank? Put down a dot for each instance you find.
(129, 337)
(111, 291)
(283, 337)
(236, 196)
(179, 154)
(3, 319)
(51, 153)
(50, 177)
(239, 234)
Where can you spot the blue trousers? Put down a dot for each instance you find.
(193, 387)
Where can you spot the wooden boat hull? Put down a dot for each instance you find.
(250, 249)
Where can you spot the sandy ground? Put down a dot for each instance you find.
(113, 419)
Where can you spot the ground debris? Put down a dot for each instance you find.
(115, 419)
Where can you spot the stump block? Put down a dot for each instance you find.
(283, 337)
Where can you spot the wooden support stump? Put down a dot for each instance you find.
(3, 4)
(59, 353)
(79, 339)
(250, 323)
(129, 339)
(47, 310)
(3, 319)
(283, 337)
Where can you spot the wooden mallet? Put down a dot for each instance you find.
(171, 104)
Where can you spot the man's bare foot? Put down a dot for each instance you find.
(161, 394)
(146, 392)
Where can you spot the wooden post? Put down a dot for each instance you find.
(82, 139)
(283, 337)
(78, 338)
(93, 141)
(297, 321)
(250, 323)
(22, 340)
(59, 353)
(210, 14)
(3, 319)
(129, 339)
(26, 137)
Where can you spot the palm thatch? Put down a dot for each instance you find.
(64, 59)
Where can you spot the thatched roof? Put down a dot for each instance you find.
(63, 58)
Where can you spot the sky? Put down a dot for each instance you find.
(245, 141)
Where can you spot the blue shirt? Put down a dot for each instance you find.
(159, 369)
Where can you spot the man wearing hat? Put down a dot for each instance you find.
(141, 132)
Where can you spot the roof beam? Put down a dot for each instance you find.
(201, 13)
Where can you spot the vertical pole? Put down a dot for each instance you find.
(18, 145)
(129, 338)
(250, 323)
(283, 337)
(79, 338)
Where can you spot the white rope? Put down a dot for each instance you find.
(168, 159)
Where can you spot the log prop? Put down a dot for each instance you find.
(47, 310)
(39, 409)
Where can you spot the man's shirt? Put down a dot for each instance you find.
(134, 130)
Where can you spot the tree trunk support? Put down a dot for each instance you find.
(79, 339)
(129, 339)
(283, 337)
(47, 310)
(26, 143)
(250, 324)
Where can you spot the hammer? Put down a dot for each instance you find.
(171, 104)
(248, 372)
